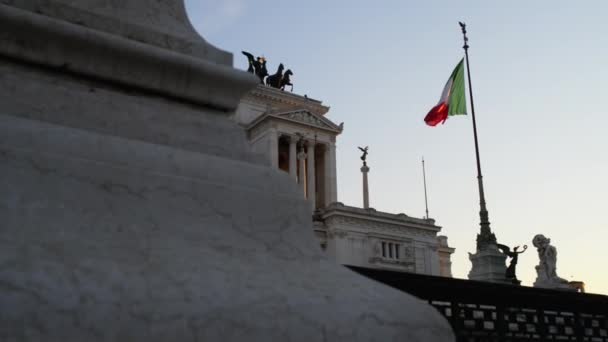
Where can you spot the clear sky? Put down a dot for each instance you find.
(539, 71)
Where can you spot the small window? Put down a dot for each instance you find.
(391, 250)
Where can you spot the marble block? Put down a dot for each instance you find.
(488, 265)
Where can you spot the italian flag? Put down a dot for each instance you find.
(452, 101)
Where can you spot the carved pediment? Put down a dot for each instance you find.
(308, 118)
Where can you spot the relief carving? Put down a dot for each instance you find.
(307, 118)
(379, 226)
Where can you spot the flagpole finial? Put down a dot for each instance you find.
(463, 27)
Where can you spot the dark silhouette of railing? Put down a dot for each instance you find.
(481, 311)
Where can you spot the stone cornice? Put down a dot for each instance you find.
(370, 218)
(446, 249)
(301, 117)
(80, 50)
(364, 225)
(279, 98)
(399, 219)
(163, 23)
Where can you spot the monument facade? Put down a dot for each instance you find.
(292, 133)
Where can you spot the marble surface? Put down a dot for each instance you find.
(109, 239)
(488, 265)
(46, 33)
(162, 23)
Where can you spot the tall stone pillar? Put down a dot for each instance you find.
(293, 157)
(311, 183)
(273, 146)
(364, 171)
(331, 187)
(327, 175)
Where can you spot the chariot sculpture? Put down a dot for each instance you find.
(278, 80)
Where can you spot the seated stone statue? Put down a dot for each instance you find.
(547, 270)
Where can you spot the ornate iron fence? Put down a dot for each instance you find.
(481, 311)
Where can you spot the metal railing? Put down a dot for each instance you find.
(481, 311)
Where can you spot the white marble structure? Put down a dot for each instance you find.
(373, 239)
(132, 208)
(445, 253)
(292, 134)
(488, 265)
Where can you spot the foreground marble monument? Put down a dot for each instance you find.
(126, 215)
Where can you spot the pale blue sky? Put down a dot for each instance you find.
(538, 69)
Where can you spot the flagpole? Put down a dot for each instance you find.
(485, 237)
(426, 204)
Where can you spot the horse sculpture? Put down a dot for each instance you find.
(257, 66)
(286, 81)
(275, 79)
(279, 80)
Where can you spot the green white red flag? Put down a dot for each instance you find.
(453, 100)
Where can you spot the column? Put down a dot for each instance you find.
(273, 146)
(302, 171)
(310, 173)
(293, 157)
(331, 187)
(365, 170)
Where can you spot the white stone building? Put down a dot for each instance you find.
(292, 132)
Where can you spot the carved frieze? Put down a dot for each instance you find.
(337, 233)
(373, 225)
(283, 101)
(308, 118)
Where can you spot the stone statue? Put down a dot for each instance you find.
(286, 80)
(546, 269)
(364, 156)
(510, 273)
(277, 80)
(257, 66)
(274, 80)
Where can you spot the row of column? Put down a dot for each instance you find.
(302, 162)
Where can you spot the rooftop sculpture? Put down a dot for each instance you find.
(364, 155)
(278, 80)
(546, 269)
(257, 66)
(510, 274)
